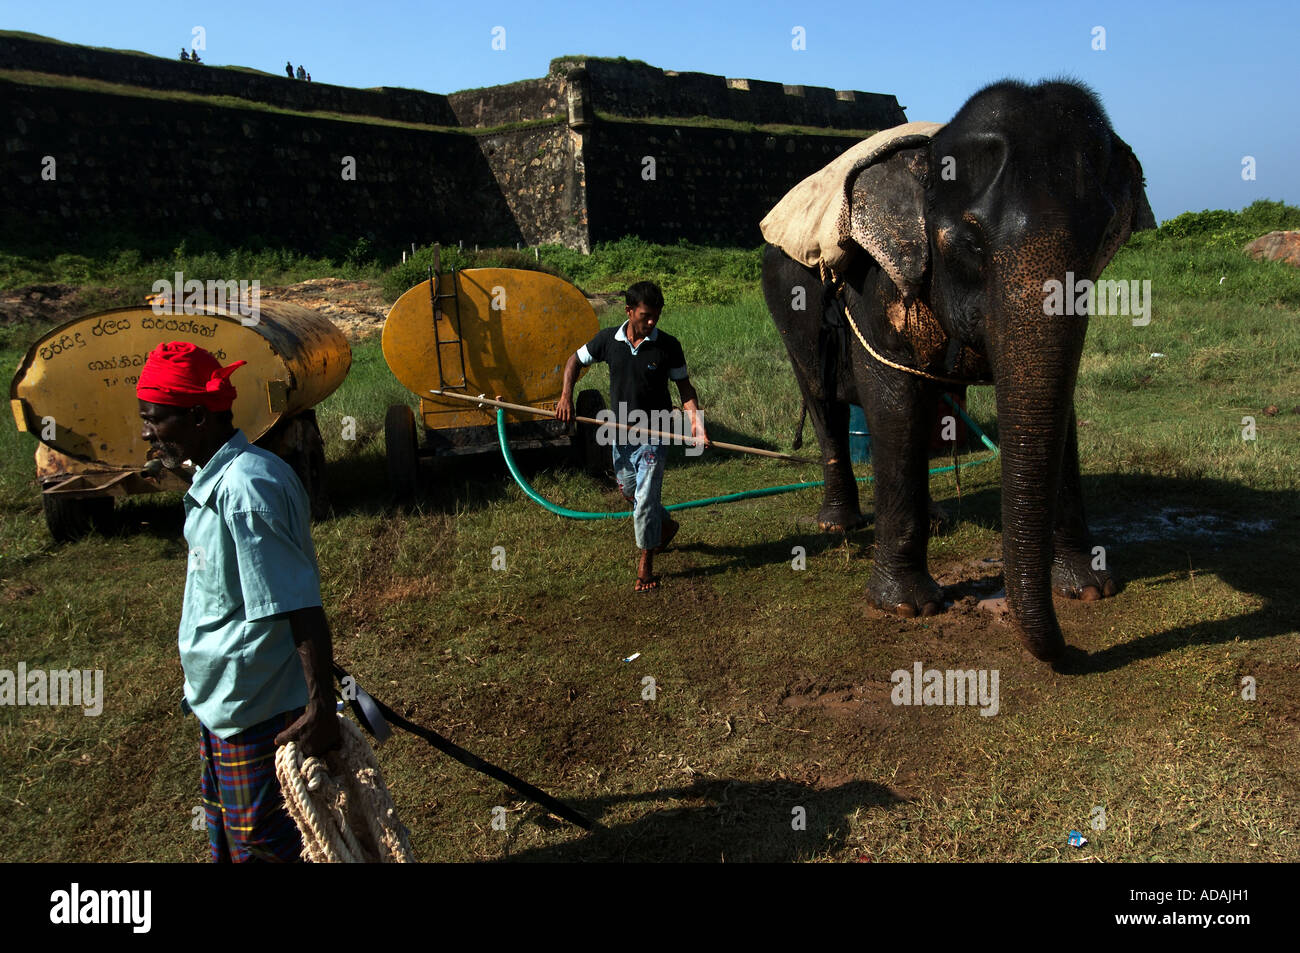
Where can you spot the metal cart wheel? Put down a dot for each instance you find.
(310, 464)
(588, 455)
(70, 518)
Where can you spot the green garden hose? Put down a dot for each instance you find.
(707, 501)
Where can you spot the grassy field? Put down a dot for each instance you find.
(771, 683)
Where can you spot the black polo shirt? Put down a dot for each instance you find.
(638, 379)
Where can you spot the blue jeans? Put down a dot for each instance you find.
(640, 468)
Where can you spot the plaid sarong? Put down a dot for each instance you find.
(242, 802)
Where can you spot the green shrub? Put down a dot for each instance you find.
(1187, 254)
(74, 269)
(1219, 227)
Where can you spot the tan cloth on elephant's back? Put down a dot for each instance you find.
(811, 223)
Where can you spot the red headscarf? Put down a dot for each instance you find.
(180, 374)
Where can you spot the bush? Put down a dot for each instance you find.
(73, 269)
(1219, 227)
(1197, 223)
(406, 275)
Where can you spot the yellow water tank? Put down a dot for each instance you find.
(75, 388)
(499, 331)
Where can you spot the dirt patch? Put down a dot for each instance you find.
(58, 304)
(13, 591)
(401, 590)
(1277, 688)
(868, 701)
(357, 308)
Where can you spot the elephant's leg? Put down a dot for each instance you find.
(899, 411)
(840, 511)
(1077, 572)
(785, 281)
(941, 522)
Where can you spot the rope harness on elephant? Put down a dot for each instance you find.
(832, 280)
(349, 818)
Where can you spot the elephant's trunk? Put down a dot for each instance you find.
(1035, 359)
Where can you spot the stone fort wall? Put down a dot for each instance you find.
(592, 151)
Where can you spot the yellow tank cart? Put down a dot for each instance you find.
(500, 332)
(75, 392)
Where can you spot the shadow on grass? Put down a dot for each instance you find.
(739, 821)
(1151, 528)
(1160, 527)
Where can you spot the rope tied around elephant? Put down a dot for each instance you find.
(829, 276)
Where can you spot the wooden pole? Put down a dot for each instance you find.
(641, 432)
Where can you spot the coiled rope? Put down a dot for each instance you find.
(343, 820)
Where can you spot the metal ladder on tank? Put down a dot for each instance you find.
(436, 296)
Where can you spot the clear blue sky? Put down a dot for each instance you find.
(1193, 87)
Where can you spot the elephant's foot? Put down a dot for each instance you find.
(839, 519)
(840, 511)
(908, 594)
(1074, 578)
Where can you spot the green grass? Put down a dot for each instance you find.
(21, 35)
(132, 272)
(1198, 255)
(772, 684)
(736, 125)
(687, 273)
(129, 265)
(85, 84)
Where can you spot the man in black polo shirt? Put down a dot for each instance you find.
(642, 359)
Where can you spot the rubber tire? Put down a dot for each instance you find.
(588, 455)
(309, 464)
(71, 518)
(401, 449)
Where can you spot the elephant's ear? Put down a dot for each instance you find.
(1126, 189)
(887, 217)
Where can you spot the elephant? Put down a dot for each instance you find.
(948, 244)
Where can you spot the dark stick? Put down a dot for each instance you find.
(471, 760)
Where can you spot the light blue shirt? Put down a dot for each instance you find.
(247, 523)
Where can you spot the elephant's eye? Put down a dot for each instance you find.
(968, 252)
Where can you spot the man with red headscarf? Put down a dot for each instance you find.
(254, 642)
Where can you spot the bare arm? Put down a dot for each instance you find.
(691, 404)
(564, 409)
(317, 731)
